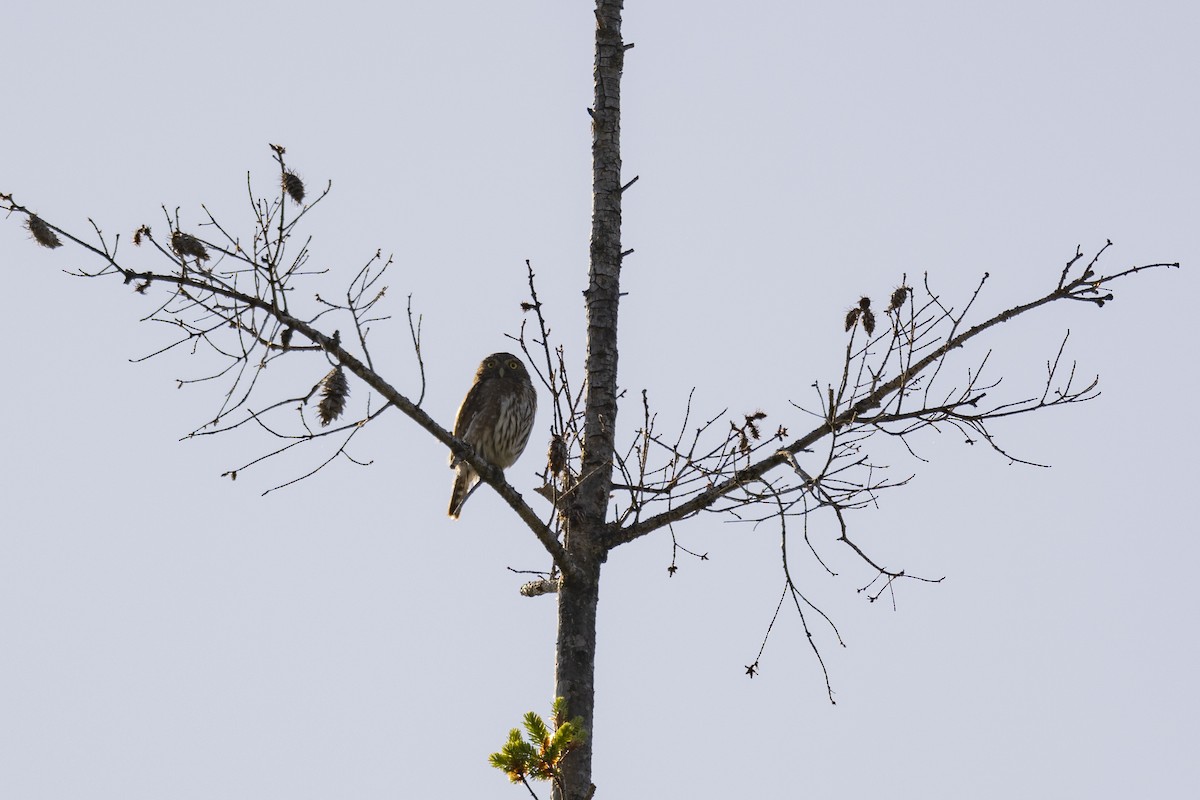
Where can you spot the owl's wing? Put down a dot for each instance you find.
(475, 428)
(472, 416)
(472, 404)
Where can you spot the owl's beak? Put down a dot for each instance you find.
(502, 370)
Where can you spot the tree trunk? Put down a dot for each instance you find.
(575, 668)
(575, 665)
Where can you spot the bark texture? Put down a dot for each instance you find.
(575, 665)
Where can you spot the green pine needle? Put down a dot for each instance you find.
(558, 709)
(541, 757)
(536, 728)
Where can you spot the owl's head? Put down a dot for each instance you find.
(501, 365)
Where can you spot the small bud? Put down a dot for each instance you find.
(293, 186)
(139, 233)
(285, 338)
(864, 303)
(41, 232)
(868, 320)
(334, 391)
(852, 317)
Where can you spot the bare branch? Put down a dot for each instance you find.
(205, 298)
(856, 395)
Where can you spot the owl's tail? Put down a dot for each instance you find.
(463, 482)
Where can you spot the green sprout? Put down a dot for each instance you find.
(540, 756)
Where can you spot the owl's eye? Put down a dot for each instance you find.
(491, 362)
(514, 364)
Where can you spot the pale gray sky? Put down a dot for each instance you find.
(165, 633)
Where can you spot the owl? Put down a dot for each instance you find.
(495, 418)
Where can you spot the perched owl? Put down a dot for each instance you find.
(495, 418)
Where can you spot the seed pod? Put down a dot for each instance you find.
(334, 391)
(556, 456)
(868, 320)
(293, 186)
(899, 295)
(852, 317)
(42, 233)
(184, 245)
